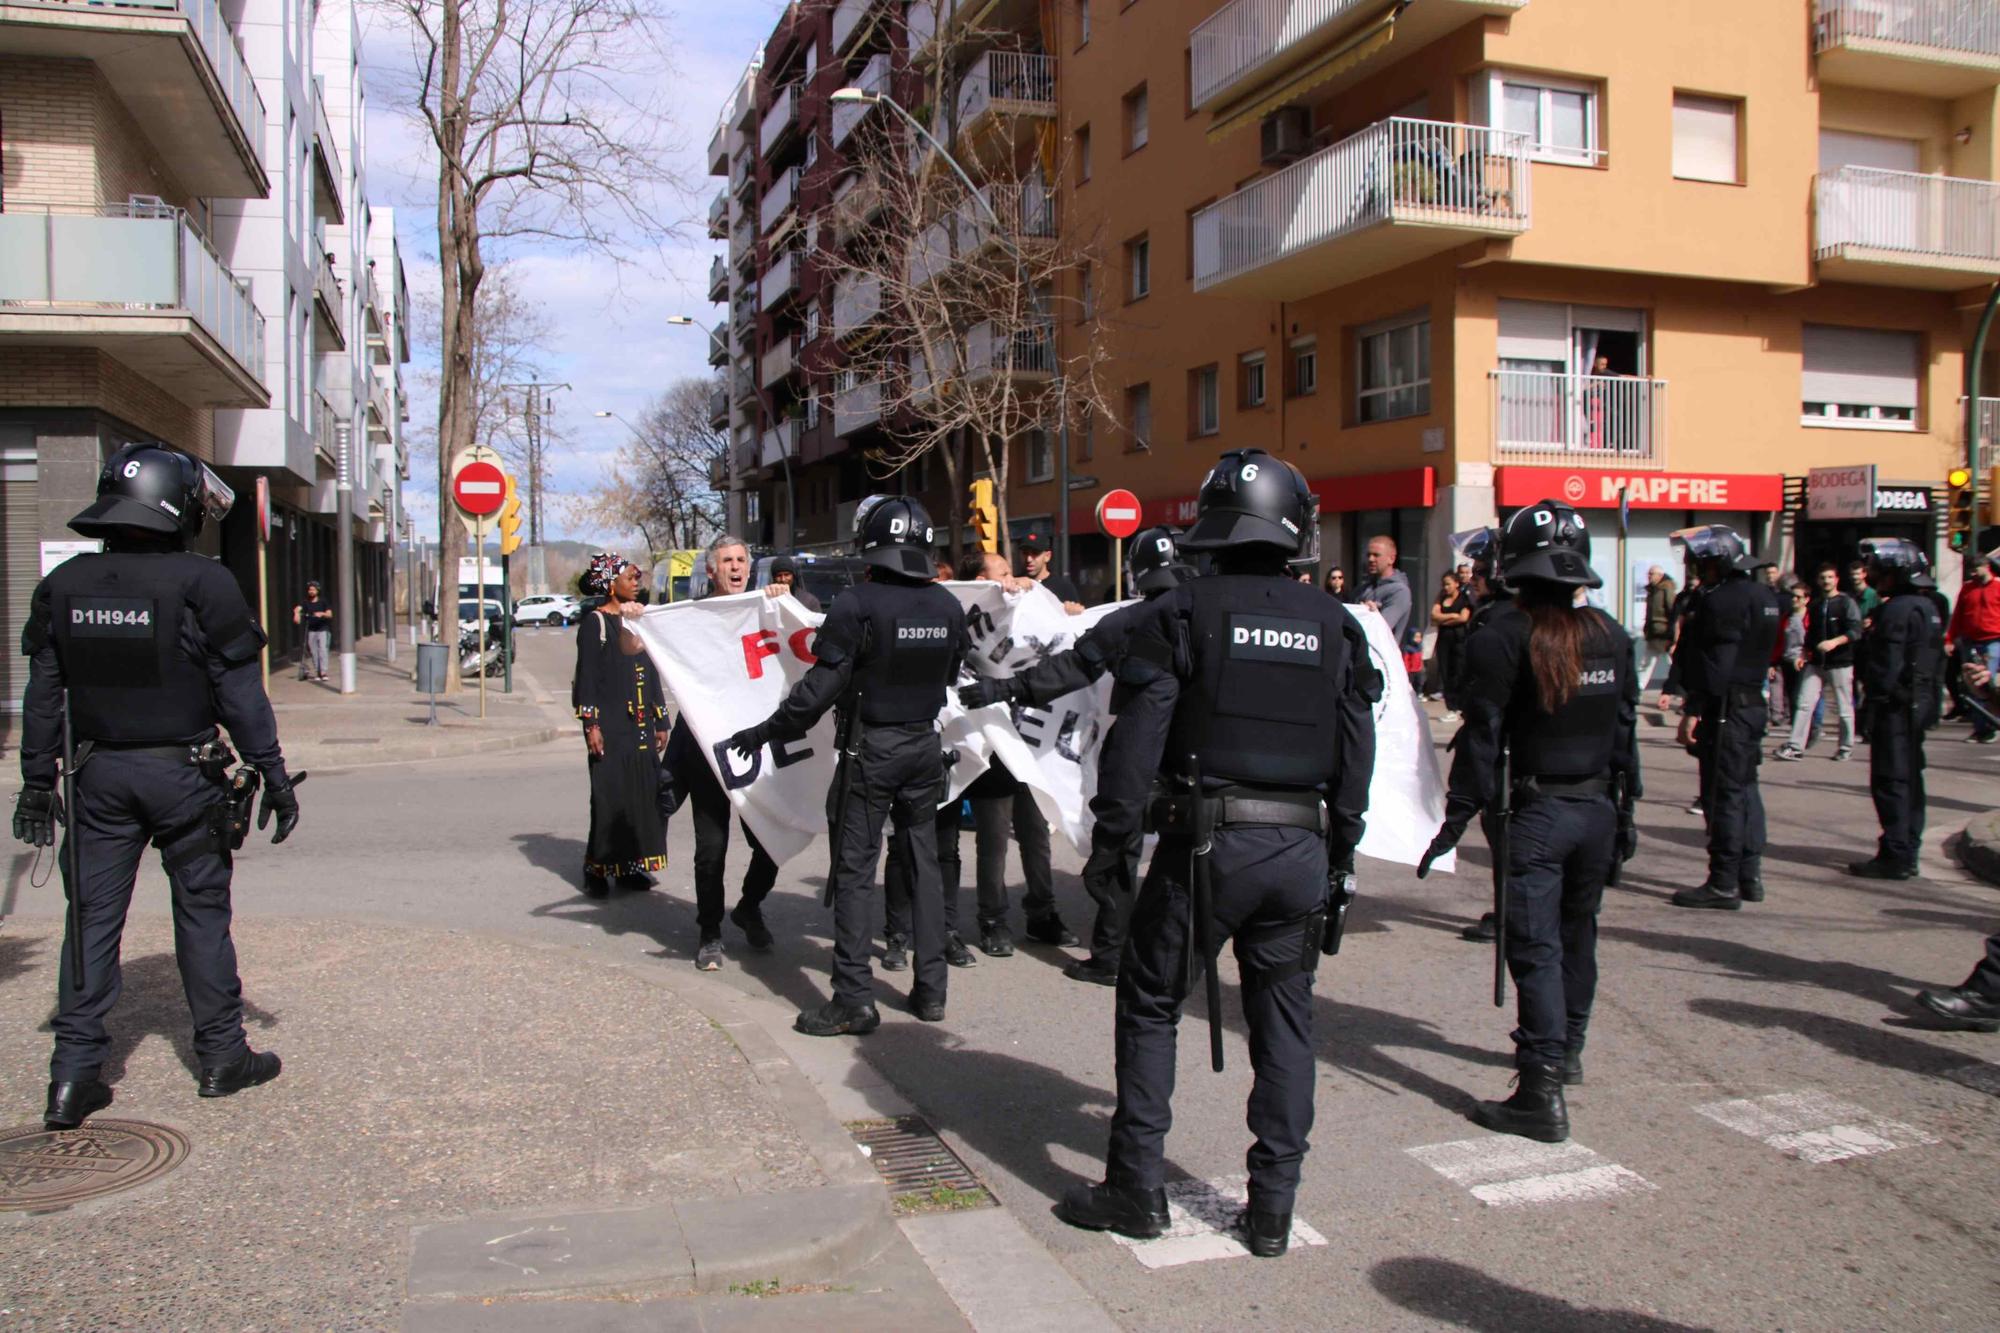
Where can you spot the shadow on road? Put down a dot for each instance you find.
(1858, 1041)
(560, 856)
(18, 956)
(1462, 1296)
(1749, 962)
(151, 1003)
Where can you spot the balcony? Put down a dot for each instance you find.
(743, 384)
(778, 363)
(1007, 83)
(379, 410)
(718, 408)
(176, 65)
(718, 279)
(718, 216)
(1398, 191)
(1571, 421)
(1901, 229)
(144, 286)
(857, 303)
(847, 116)
(742, 241)
(1265, 49)
(857, 406)
(1026, 212)
(718, 151)
(742, 171)
(743, 315)
(718, 467)
(779, 443)
(718, 344)
(780, 282)
(1030, 354)
(857, 202)
(848, 22)
(329, 205)
(743, 102)
(1928, 48)
(329, 304)
(780, 121)
(778, 199)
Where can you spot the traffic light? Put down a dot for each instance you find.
(985, 517)
(510, 521)
(1958, 516)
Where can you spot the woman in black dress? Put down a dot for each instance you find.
(1451, 613)
(617, 694)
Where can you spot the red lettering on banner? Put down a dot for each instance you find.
(757, 647)
(800, 648)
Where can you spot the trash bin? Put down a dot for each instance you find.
(432, 669)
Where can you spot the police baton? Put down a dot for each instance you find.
(71, 850)
(1201, 899)
(1503, 815)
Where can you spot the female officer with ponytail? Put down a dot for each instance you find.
(1551, 683)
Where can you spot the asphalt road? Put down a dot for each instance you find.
(1772, 1141)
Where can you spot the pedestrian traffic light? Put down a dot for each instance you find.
(1958, 516)
(510, 521)
(985, 517)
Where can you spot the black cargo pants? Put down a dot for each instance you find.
(1559, 851)
(1729, 739)
(1896, 782)
(900, 780)
(896, 877)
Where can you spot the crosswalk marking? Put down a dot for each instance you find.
(1502, 1171)
(1203, 1219)
(1814, 1127)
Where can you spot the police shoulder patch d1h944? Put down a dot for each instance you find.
(1275, 639)
(111, 617)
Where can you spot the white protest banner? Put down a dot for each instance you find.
(1406, 799)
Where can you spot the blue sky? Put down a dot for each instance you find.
(611, 342)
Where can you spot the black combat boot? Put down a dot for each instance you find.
(73, 1101)
(1140, 1214)
(1711, 895)
(1572, 1065)
(1266, 1234)
(1877, 868)
(253, 1068)
(1049, 929)
(1963, 1009)
(895, 953)
(1481, 931)
(927, 1007)
(1535, 1111)
(1092, 971)
(1750, 880)
(834, 1019)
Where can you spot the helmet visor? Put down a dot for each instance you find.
(1709, 541)
(214, 495)
(1471, 546)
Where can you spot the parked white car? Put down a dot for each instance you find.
(548, 608)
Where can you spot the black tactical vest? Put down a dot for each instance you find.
(916, 636)
(1269, 660)
(1578, 739)
(123, 627)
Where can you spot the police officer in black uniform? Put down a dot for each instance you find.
(1480, 549)
(1109, 873)
(154, 646)
(1902, 663)
(1720, 665)
(1553, 684)
(1264, 686)
(886, 653)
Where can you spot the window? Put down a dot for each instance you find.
(1707, 139)
(1250, 380)
(1305, 367)
(1082, 154)
(1559, 118)
(1139, 415)
(1205, 400)
(1392, 374)
(1083, 22)
(1139, 268)
(751, 516)
(1038, 458)
(1864, 378)
(1135, 119)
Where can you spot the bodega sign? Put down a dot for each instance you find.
(1516, 486)
(1840, 492)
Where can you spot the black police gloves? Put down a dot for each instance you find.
(1107, 865)
(281, 799)
(1628, 835)
(36, 813)
(1447, 838)
(986, 690)
(748, 741)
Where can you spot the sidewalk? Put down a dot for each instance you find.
(449, 1147)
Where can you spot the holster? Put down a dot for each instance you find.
(237, 806)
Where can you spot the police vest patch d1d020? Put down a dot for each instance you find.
(111, 617)
(1274, 639)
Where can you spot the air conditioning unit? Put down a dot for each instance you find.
(1286, 135)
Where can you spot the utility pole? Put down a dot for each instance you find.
(536, 402)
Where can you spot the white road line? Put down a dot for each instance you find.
(1814, 1127)
(1503, 1171)
(1203, 1217)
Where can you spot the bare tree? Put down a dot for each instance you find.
(658, 483)
(511, 338)
(544, 120)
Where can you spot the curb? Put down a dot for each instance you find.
(1979, 847)
(322, 759)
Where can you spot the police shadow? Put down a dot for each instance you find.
(1747, 962)
(1933, 799)
(1858, 1041)
(1464, 1297)
(1981, 924)
(152, 1003)
(19, 955)
(1822, 856)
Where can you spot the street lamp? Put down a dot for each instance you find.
(852, 96)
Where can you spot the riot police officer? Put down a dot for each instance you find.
(1479, 548)
(1902, 665)
(886, 653)
(1720, 664)
(1156, 569)
(1250, 695)
(141, 651)
(1552, 685)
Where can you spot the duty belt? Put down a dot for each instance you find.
(1529, 788)
(1235, 806)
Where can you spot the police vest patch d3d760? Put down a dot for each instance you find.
(1274, 639)
(111, 618)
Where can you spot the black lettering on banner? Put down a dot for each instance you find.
(111, 617)
(979, 622)
(1029, 721)
(731, 779)
(1000, 650)
(783, 756)
(1068, 743)
(1274, 639)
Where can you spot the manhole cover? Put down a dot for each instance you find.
(923, 1174)
(42, 1168)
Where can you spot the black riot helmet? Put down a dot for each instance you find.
(1253, 499)
(1548, 541)
(1154, 564)
(1899, 557)
(893, 532)
(1712, 545)
(1479, 548)
(156, 489)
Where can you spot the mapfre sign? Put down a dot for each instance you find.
(1645, 490)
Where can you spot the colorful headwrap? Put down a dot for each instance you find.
(604, 567)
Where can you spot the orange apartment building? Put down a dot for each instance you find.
(1451, 256)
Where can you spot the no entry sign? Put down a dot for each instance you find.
(1118, 514)
(479, 489)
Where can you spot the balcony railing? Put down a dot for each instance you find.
(780, 281)
(718, 216)
(1424, 173)
(718, 408)
(718, 279)
(1542, 419)
(718, 344)
(743, 383)
(743, 103)
(847, 21)
(778, 362)
(857, 201)
(742, 239)
(856, 303)
(847, 116)
(1971, 27)
(1030, 352)
(857, 405)
(1008, 82)
(780, 120)
(742, 171)
(1027, 212)
(779, 443)
(126, 258)
(718, 151)
(328, 300)
(778, 199)
(1247, 35)
(1926, 218)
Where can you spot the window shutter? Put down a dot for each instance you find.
(1705, 139)
(1534, 331)
(1866, 367)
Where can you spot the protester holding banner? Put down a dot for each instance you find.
(616, 693)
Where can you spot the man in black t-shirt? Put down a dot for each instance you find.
(1035, 558)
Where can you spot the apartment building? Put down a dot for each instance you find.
(184, 240)
(1453, 256)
